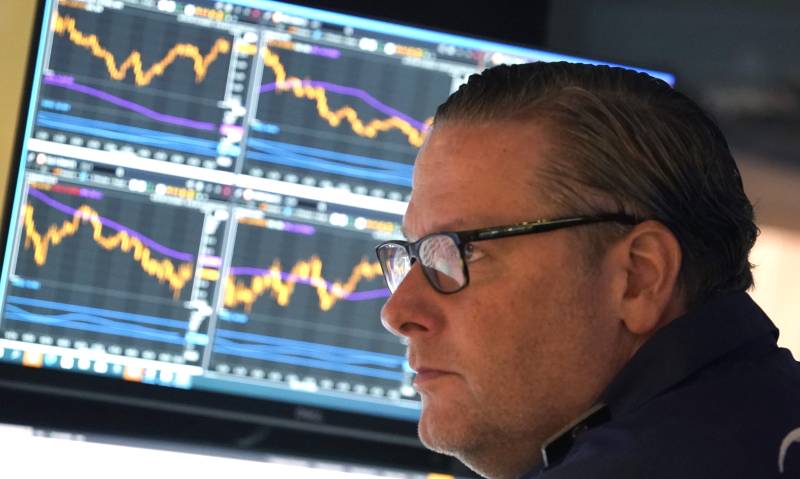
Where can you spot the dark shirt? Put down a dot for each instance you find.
(710, 395)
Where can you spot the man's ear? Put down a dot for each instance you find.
(647, 262)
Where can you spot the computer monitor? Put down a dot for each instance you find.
(195, 198)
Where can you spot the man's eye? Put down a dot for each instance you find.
(471, 253)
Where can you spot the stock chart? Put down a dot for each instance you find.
(145, 82)
(335, 113)
(92, 278)
(304, 300)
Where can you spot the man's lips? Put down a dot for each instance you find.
(425, 375)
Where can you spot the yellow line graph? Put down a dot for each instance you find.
(309, 271)
(66, 26)
(163, 270)
(317, 94)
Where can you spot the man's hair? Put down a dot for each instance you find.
(631, 140)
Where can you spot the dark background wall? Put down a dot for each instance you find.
(738, 58)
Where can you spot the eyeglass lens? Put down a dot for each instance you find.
(439, 256)
(395, 262)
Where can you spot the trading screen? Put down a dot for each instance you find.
(201, 189)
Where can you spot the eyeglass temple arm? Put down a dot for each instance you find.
(543, 226)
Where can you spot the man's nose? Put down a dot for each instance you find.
(410, 310)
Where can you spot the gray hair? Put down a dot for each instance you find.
(635, 141)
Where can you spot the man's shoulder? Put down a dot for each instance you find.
(739, 417)
(731, 418)
(765, 378)
(710, 395)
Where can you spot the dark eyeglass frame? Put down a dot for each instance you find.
(463, 238)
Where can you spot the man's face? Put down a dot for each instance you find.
(528, 344)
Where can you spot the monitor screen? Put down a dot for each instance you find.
(198, 189)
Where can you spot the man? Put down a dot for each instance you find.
(602, 330)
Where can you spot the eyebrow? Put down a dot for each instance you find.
(456, 224)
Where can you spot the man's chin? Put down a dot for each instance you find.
(454, 438)
(438, 444)
(443, 430)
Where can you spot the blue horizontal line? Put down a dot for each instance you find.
(140, 318)
(293, 160)
(129, 134)
(100, 325)
(237, 350)
(99, 317)
(125, 137)
(128, 129)
(72, 321)
(332, 155)
(364, 358)
(258, 338)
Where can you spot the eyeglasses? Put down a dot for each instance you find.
(443, 256)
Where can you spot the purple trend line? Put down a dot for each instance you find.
(355, 296)
(69, 83)
(355, 92)
(365, 295)
(115, 226)
(325, 52)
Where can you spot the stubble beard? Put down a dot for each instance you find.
(473, 439)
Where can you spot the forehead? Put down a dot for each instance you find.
(474, 175)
